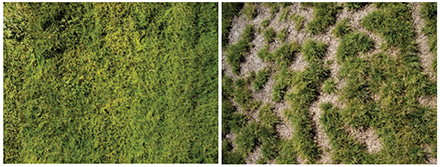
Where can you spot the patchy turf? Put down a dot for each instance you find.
(343, 88)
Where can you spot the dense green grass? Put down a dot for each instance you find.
(285, 54)
(393, 21)
(325, 15)
(110, 83)
(329, 86)
(287, 153)
(342, 28)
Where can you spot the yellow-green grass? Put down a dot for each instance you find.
(110, 83)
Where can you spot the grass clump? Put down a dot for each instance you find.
(249, 10)
(235, 53)
(353, 43)
(325, 16)
(342, 28)
(265, 23)
(270, 142)
(282, 35)
(284, 14)
(248, 139)
(284, 55)
(264, 54)
(242, 94)
(269, 35)
(227, 87)
(248, 33)
(110, 83)
(231, 121)
(229, 10)
(353, 6)
(298, 21)
(267, 117)
(329, 86)
(229, 157)
(282, 82)
(287, 154)
(314, 51)
(262, 78)
(273, 6)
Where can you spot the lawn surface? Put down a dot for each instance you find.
(110, 83)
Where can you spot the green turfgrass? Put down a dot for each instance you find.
(342, 28)
(325, 15)
(110, 83)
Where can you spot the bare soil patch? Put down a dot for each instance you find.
(253, 157)
(366, 136)
(430, 159)
(426, 56)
